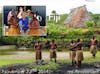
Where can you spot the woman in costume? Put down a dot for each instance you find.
(19, 16)
(25, 22)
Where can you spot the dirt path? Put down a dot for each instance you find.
(45, 55)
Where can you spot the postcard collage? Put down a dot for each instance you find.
(49, 36)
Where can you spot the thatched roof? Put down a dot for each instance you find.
(77, 17)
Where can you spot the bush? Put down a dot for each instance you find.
(90, 23)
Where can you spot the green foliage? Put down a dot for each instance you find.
(62, 18)
(89, 23)
(49, 66)
(0, 31)
(74, 33)
(56, 31)
(98, 24)
(96, 18)
(7, 61)
(25, 41)
(88, 34)
(9, 40)
(90, 59)
(0, 17)
(0, 24)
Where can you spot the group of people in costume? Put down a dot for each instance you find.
(53, 47)
(23, 22)
(76, 52)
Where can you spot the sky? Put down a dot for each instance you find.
(61, 6)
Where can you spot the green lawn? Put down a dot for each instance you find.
(51, 65)
(91, 59)
(14, 61)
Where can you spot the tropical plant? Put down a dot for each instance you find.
(89, 23)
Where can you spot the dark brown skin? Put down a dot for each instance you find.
(53, 45)
(38, 46)
(78, 45)
(13, 21)
(93, 41)
(34, 24)
(72, 44)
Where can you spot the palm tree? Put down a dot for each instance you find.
(53, 12)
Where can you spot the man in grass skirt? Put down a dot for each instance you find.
(79, 53)
(93, 48)
(72, 53)
(53, 47)
(38, 51)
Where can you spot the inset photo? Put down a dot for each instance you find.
(24, 21)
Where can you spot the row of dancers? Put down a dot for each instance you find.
(76, 52)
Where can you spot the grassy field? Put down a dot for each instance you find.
(14, 61)
(51, 65)
(91, 59)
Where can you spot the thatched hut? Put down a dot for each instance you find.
(77, 17)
